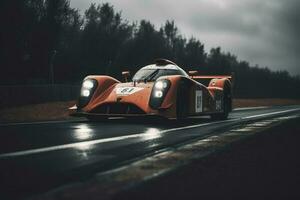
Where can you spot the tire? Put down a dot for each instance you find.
(226, 106)
(181, 103)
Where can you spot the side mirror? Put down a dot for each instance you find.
(193, 73)
(126, 75)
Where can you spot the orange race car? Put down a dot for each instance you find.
(160, 89)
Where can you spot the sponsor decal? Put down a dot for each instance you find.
(124, 91)
(198, 101)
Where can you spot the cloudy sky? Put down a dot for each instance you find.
(261, 32)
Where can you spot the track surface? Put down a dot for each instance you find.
(37, 157)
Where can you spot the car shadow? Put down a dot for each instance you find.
(152, 121)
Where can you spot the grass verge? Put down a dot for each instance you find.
(36, 112)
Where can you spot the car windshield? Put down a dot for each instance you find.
(153, 74)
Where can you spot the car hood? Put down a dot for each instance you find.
(125, 89)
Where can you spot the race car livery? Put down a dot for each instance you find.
(159, 89)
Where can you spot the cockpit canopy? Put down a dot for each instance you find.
(152, 72)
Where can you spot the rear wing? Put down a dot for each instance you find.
(211, 77)
(207, 78)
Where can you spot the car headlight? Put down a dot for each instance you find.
(160, 85)
(88, 84)
(85, 92)
(87, 89)
(159, 92)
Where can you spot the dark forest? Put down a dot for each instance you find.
(41, 38)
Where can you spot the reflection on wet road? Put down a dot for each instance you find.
(56, 153)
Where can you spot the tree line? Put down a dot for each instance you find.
(47, 40)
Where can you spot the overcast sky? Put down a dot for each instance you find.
(262, 32)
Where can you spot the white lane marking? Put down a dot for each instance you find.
(273, 113)
(42, 122)
(99, 141)
(251, 108)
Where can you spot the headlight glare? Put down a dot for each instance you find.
(160, 85)
(88, 84)
(158, 94)
(88, 87)
(85, 93)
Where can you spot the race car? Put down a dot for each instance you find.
(159, 89)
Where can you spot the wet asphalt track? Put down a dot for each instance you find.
(37, 157)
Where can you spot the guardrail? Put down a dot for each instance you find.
(32, 94)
